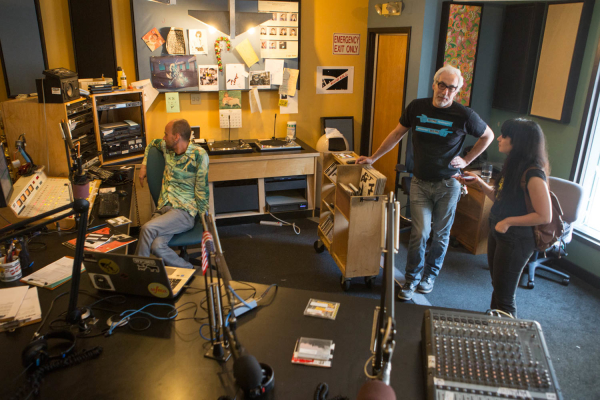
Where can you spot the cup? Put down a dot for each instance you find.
(11, 271)
(291, 130)
(486, 171)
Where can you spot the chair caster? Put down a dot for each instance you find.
(566, 281)
(319, 246)
(345, 283)
(369, 281)
(530, 285)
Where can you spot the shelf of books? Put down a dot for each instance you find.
(351, 216)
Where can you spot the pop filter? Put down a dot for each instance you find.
(376, 390)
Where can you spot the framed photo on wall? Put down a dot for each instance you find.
(459, 40)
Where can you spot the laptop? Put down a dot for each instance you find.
(142, 276)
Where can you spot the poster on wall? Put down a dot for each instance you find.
(459, 37)
(153, 39)
(260, 79)
(208, 78)
(197, 40)
(174, 73)
(175, 41)
(279, 35)
(335, 80)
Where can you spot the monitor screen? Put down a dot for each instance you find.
(5, 180)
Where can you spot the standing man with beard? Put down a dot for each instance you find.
(439, 128)
(183, 196)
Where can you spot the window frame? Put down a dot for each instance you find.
(590, 120)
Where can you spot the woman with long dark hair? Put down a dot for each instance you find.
(511, 242)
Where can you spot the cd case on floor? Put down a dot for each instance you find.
(322, 309)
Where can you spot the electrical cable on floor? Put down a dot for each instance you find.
(284, 223)
(499, 313)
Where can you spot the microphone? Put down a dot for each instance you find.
(247, 372)
(376, 390)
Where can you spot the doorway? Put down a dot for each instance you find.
(385, 93)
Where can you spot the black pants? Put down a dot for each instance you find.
(508, 254)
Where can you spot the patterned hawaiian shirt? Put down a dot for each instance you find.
(185, 181)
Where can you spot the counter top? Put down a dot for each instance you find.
(306, 151)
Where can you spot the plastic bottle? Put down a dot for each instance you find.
(119, 75)
(123, 82)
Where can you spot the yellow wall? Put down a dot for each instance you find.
(318, 25)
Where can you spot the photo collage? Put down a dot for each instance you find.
(279, 36)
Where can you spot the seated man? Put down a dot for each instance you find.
(184, 193)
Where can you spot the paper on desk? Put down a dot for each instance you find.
(30, 311)
(275, 67)
(290, 78)
(10, 302)
(255, 104)
(292, 104)
(247, 53)
(52, 275)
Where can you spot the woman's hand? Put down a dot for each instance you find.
(468, 178)
(502, 226)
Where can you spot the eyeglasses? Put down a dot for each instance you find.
(442, 86)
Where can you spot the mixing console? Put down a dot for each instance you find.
(472, 356)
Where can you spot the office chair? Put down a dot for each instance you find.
(155, 168)
(403, 182)
(570, 197)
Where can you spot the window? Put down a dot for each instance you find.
(587, 162)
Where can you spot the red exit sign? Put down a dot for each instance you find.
(346, 44)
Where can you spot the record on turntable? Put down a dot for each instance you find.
(229, 147)
(274, 144)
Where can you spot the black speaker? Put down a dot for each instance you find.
(59, 86)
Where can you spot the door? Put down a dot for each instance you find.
(388, 56)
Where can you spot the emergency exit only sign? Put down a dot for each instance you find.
(346, 44)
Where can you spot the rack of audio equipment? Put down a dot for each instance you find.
(120, 125)
(40, 124)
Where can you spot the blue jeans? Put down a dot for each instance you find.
(508, 253)
(432, 206)
(156, 234)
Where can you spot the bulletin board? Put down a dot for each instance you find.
(161, 15)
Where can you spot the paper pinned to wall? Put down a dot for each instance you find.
(172, 100)
(290, 79)
(235, 76)
(275, 67)
(255, 104)
(292, 104)
(247, 52)
(149, 92)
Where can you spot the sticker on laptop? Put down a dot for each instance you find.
(144, 264)
(158, 290)
(102, 282)
(108, 266)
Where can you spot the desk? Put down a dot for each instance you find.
(167, 361)
(260, 165)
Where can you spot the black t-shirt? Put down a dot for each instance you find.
(513, 205)
(438, 135)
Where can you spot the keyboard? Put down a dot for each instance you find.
(109, 205)
(101, 173)
(174, 282)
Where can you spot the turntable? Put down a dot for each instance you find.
(274, 144)
(229, 147)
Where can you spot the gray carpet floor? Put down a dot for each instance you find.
(568, 314)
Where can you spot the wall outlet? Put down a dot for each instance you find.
(195, 98)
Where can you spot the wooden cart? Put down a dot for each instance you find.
(350, 227)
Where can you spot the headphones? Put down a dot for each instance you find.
(267, 383)
(36, 352)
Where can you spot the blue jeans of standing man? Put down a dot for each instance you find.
(432, 206)
(156, 234)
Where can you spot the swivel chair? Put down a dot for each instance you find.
(155, 168)
(570, 197)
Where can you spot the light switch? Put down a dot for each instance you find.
(195, 98)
